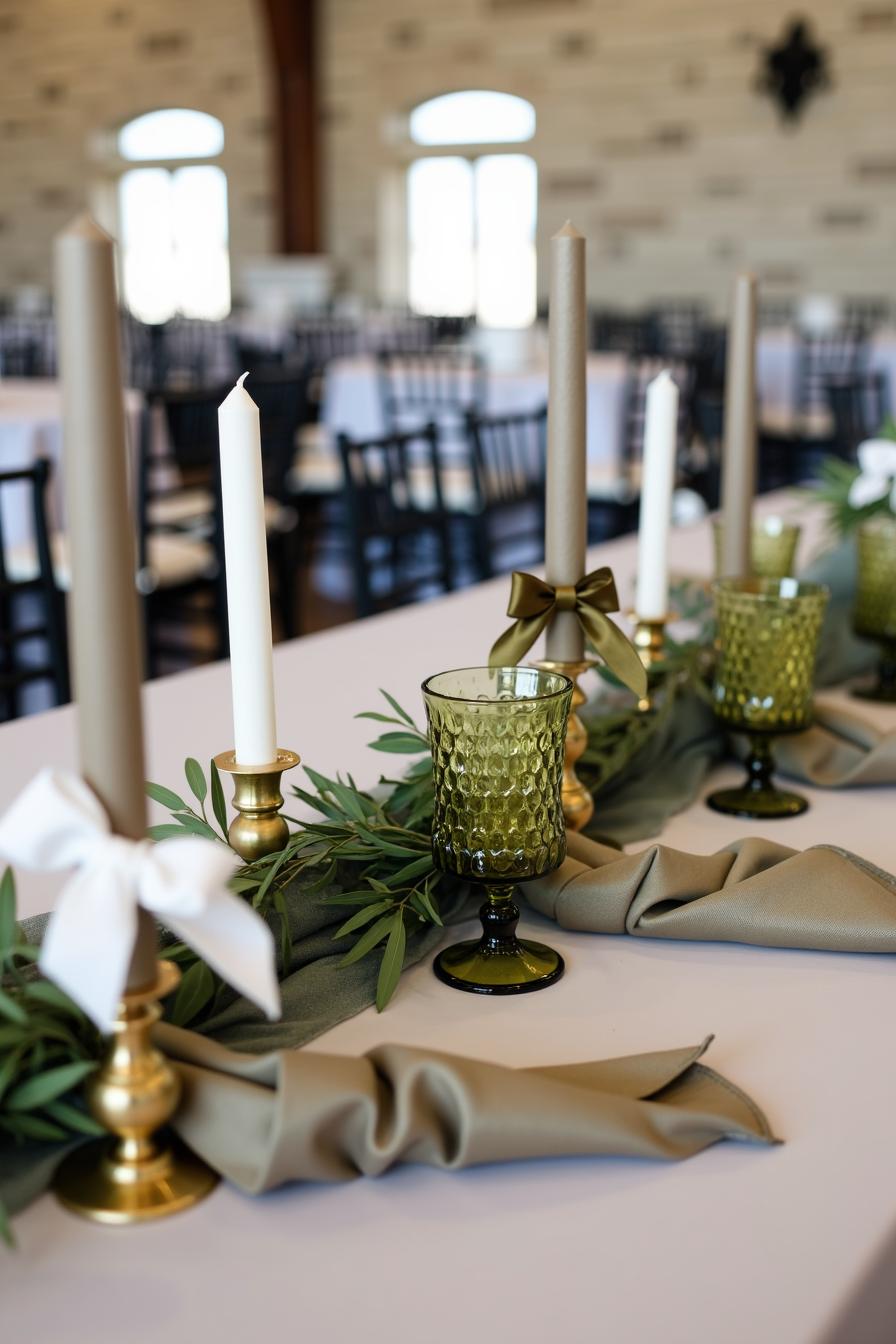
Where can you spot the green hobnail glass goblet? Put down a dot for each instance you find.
(497, 737)
(773, 544)
(874, 614)
(765, 673)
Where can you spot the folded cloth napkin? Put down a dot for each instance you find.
(839, 749)
(300, 1116)
(753, 891)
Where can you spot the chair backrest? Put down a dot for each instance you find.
(508, 457)
(32, 620)
(320, 339)
(859, 406)
(384, 519)
(831, 356)
(19, 358)
(623, 333)
(641, 373)
(441, 385)
(256, 359)
(284, 407)
(678, 328)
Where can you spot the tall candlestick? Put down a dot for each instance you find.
(103, 611)
(566, 517)
(657, 483)
(739, 449)
(248, 592)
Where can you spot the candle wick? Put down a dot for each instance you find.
(242, 378)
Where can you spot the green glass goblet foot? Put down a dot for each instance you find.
(758, 798)
(884, 689)
(499, 962)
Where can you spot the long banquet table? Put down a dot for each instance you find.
(737, 1245)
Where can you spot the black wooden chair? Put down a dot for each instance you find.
(19, 358)
(397, 527)
(32, 613)
(859, 407)
(508, 455)
(440, 386)
(678, 328)
(825, 357)
(622, 333)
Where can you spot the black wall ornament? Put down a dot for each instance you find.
(794, 69)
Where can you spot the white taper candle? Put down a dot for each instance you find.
(657, 483)
(248, 592)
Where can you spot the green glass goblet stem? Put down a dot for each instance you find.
(759, 796)
(498, 739)
(874, 615)
(765, 672)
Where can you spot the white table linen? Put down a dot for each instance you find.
(735, 1246)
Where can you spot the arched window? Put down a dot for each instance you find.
(471, 216)
(173, 216)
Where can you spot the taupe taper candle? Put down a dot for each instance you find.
(739, 448)
(566, 517)
(103, 614)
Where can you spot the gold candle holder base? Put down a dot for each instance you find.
(132, 1176)
(650, 641)
(578, 805)
(257, 829)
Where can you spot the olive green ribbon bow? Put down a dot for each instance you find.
(533, 602)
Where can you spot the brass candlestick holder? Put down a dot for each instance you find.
(578, 805)
(650, 641)
(134, 1175)
(257, 829)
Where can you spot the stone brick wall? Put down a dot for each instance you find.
(74, 69)
(650, 136)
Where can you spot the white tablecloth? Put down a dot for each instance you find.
(738, 1245)
(352, 403)
(31, 427)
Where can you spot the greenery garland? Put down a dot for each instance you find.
(367, 852)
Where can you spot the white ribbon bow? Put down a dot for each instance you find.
(877, 474)
(57, 822)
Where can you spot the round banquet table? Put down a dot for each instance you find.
(793, 1244)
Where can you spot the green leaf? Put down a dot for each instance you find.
(9, 1068)
(368, 940)
(426, 901)
(11, 1010)
(166, 831)
(159, 794)
(7, 913)
(401, 743)
(194, 992)
(196, 778)
(285, 935)
(65, 1114)
(323, 881)
(219, 806)
(354, 897)
(360, 918)
(27, 1126)
(411, 870)
(5, 1229)
(196, 826)
(43, 991)
(379, 718)
(392, 963)
(402, 713)
(47, 1086)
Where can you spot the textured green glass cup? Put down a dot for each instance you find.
(765, 673)
(773, 546)
(874, 614)
(497, 737)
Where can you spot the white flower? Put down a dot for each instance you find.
(877, 474)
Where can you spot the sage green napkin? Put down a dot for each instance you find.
(300, 1116)
(840, 749)
(753, 891)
